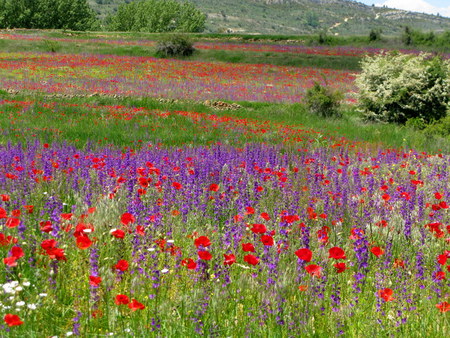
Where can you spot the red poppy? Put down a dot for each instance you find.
(259, 228)
(189, 263)
(386, 197)
(10, 261)
(440, 275)
(5, 198)
(314, 270)
(265, 216)
(121, 265)
(118, 233)
(443, 307)
(290, 218)
(214, 187)
(127, 218)
(48, 244)
(249, 211)
(267, 240)
(122, 299)
(177, 185)
(95, 280)
(438, 195)
(229, 259)
(303, 287)
(248, 247)
(46, 226)
(377, 251)
(386, 294)
(442, 259)
(12, 222)
(252, 260)
(3, 213)
(135, 305)
(140, 230)
(16, 251)
(29, 208)
(56, 253)
(205, 255)
(336, 253)
(340, 267)
(304, 254)
(12, 320)
(83, 242)
(16, 213)
(66, 216)
(202, 240)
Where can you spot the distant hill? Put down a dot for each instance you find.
(343, 17)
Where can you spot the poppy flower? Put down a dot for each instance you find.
(205, 255)
(386, 294)
(336, 253)
(265, 216)
(118, 233)
(67, 216)
(340, 267)
(229, 259)
(442, 259)
(252, 260)
(290, 218)
(12, 320)
(303, 287)
(202, 240)
(10, 261)
(48, 244)
(314, 270)
(83, 242)
(189, 263)
(3, 213)
(377, 251)
(177, 185)
(127, 218)
(440, 275)
(304, 254)
(12, 222)
(267, 240)
(122, 265)
(438, 195)
(214, 187)
(443, 307)
(122, 300)
(29, 208)
(16, 251)
(5, 198)
(135, 305)
(259, 228)
(248, 247)
(249, 210)
(140, 230)
(95, 280)
(46, 226)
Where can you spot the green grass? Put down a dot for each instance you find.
(81, 124)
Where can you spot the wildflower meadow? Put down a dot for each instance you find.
(125, 220)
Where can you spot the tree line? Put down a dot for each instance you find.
(142, 16)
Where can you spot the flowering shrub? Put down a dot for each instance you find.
(396, 87)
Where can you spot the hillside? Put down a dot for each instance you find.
(300, 16)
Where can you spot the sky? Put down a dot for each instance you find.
(426, 6)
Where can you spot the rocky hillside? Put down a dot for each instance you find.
(300, 16)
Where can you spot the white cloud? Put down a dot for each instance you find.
(420, 6)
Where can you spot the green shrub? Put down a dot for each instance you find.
(439, 128)
(375, 34)
(323, 101)
(396, 87)
(174, 45)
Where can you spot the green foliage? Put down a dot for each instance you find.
(323, 101)
(375, 34)
(439, 128)
(158, 16)
(46, 14)
(174, 45)
(397, 87)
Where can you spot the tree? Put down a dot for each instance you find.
(66, 14)
(158, 16)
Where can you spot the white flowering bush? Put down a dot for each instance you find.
(396, 87)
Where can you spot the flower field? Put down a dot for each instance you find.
(146, 76)
(124, 220)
